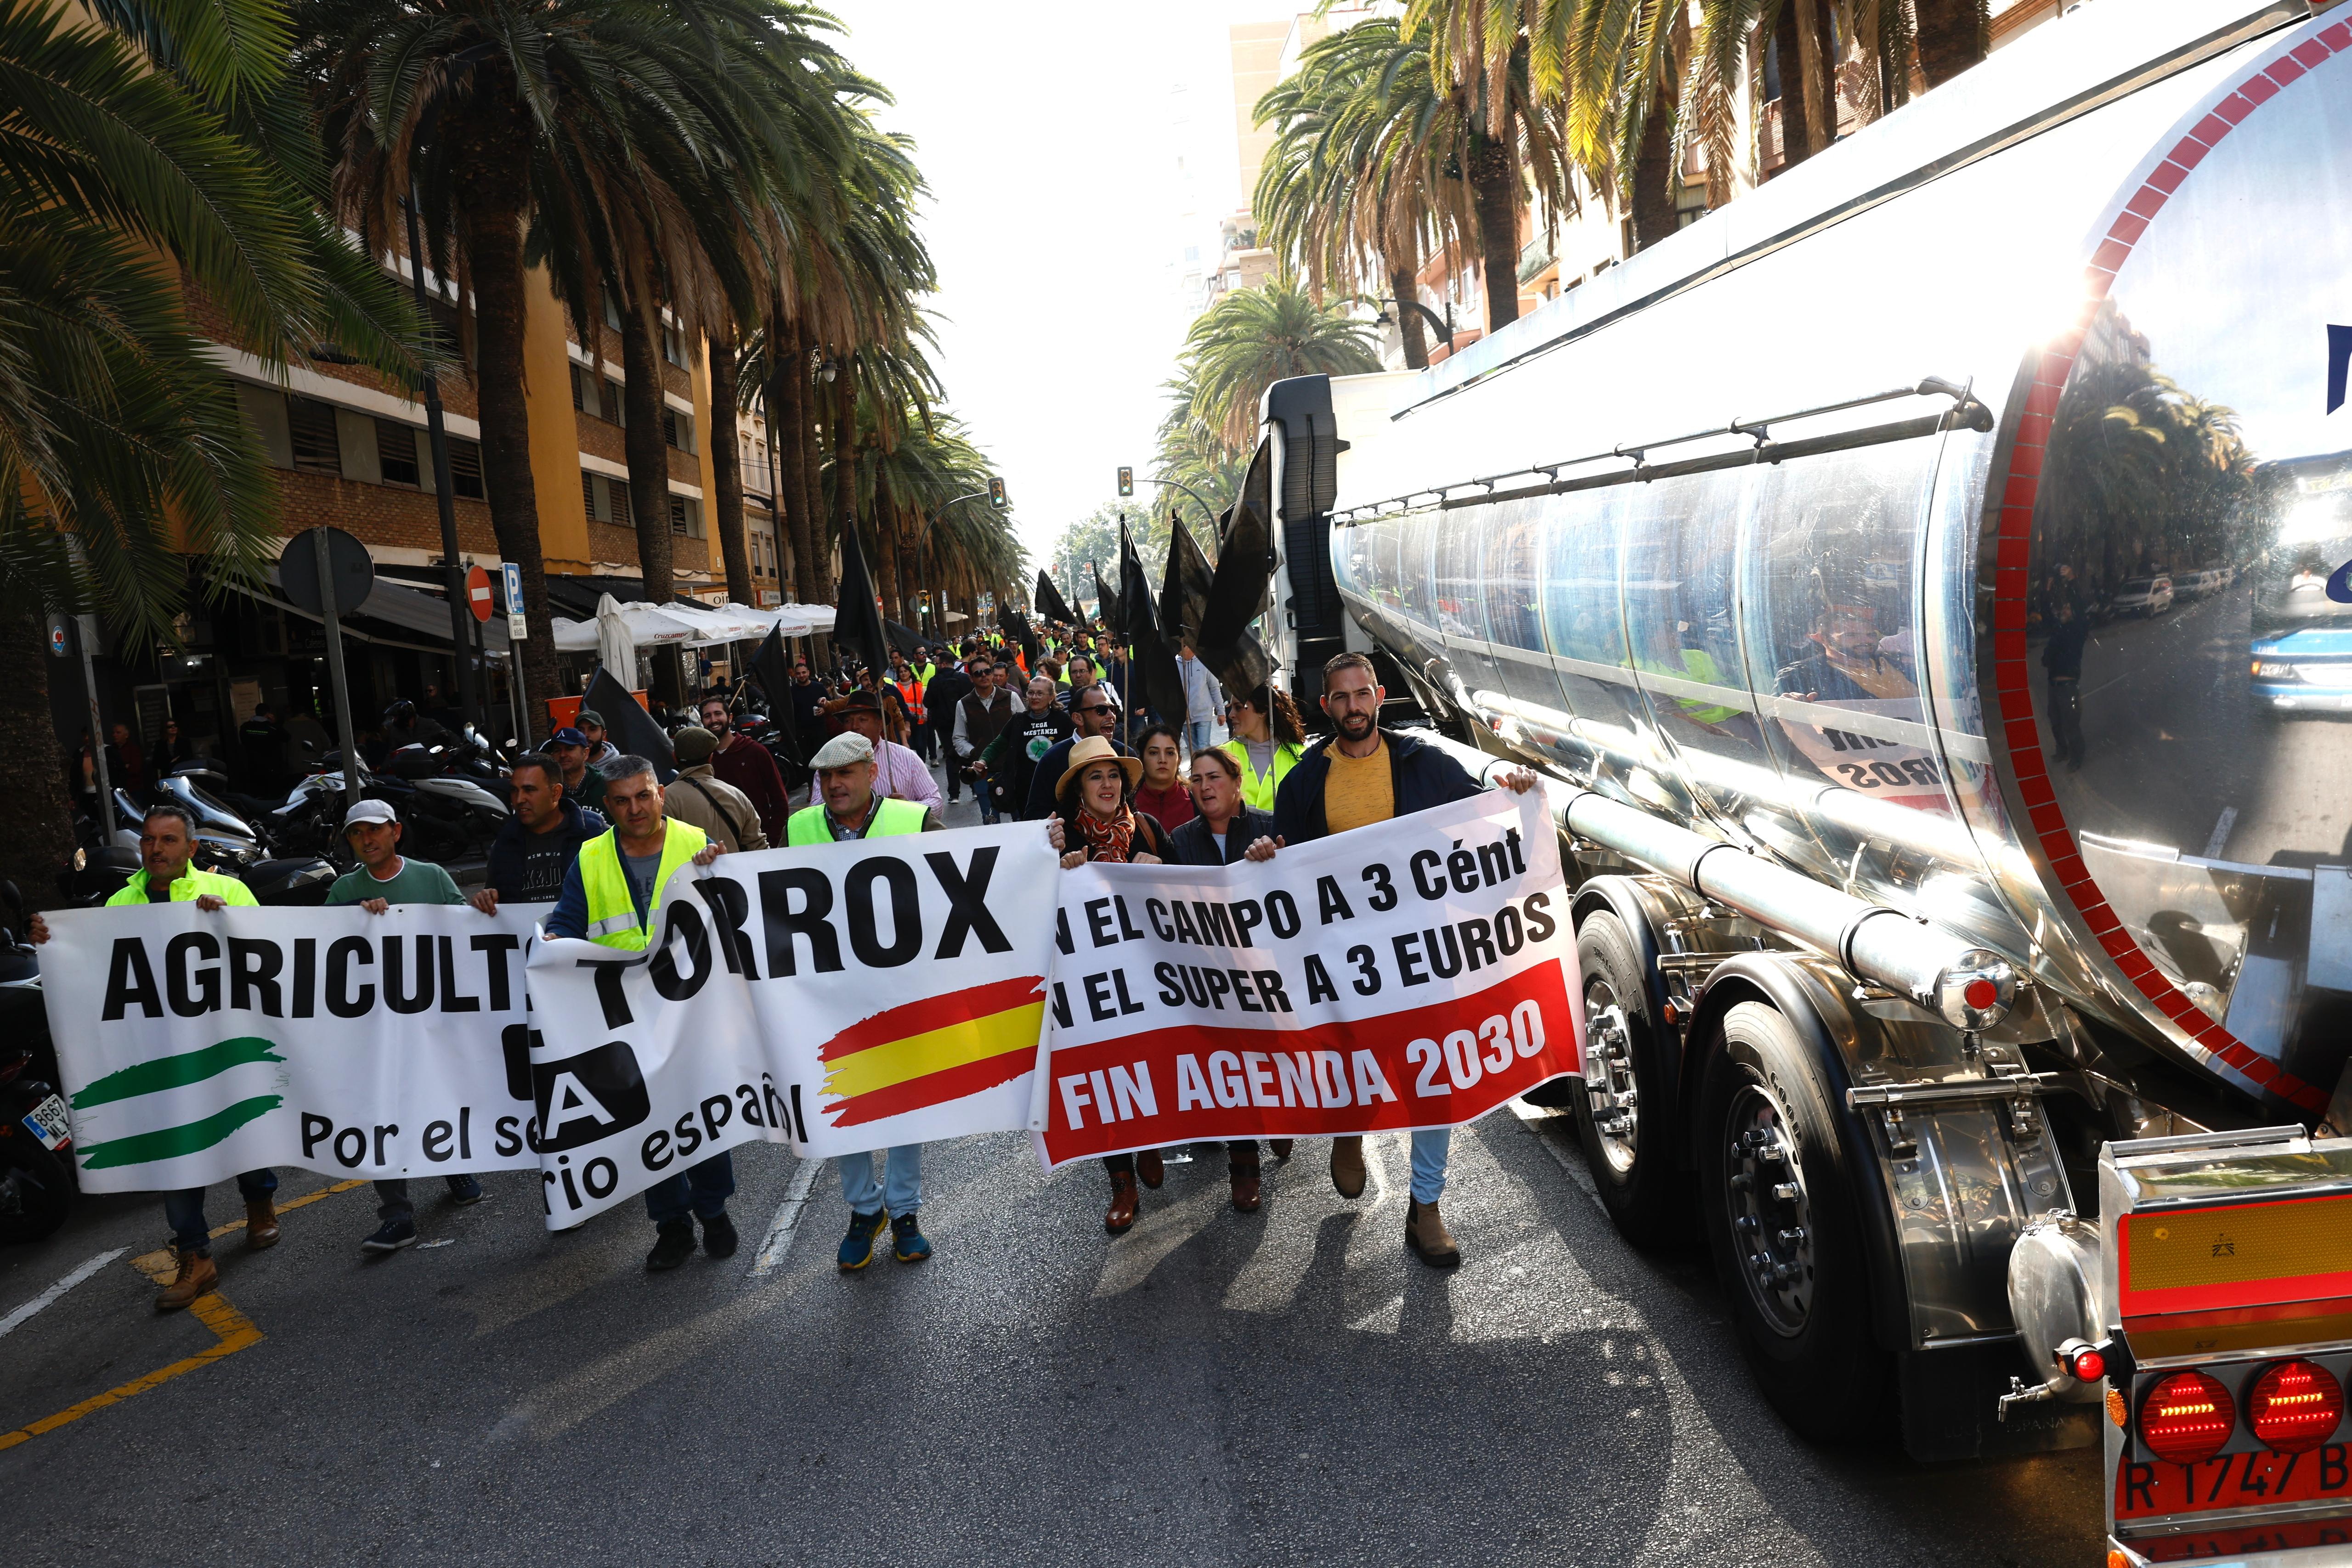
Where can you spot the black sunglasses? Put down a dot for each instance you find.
(1099, 707)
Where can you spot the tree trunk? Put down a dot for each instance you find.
(1494, 191)
(1953, 35)
(492, 159)
(1656, 178)
(37, 842)
(841, 426)
(820, 526)
(1408, 322)
(788, 427)
(726, 470)
(646, 449)
(1788, 62)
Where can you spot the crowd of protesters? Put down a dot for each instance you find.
(596, 837)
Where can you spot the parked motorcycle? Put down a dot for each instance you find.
(36, 1168)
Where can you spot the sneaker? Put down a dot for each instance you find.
(908, 1243)
(857, 1247)
(465, 1190)
(718, 1238)
(673, 1245)
(394, 1234)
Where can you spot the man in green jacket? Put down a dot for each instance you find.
(167, 842)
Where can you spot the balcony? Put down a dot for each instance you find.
(1536, 255)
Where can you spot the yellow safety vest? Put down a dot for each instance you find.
(808, 825)
(612, 913)
(1257, 789)
(191, 883)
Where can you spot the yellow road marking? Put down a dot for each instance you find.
(231, 1331)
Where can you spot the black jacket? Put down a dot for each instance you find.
(1191, 844)
(1419, 776)
(948, 685)
(509, 873)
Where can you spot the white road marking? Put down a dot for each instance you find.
(2221, 826)
(60, 1289)
(787, 1220)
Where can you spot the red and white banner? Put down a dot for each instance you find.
(1415, 974)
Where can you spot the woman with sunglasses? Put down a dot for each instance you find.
(1095, 818)
(1267, 744)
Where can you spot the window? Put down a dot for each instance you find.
(612, 313)
(685, 516)
(677, 429)
(396, 452)
(588, 493)
(465, 468)
(617, 493)
(317, 449)
(615, 409)
(674, 347)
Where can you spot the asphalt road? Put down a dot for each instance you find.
(1290, 1387)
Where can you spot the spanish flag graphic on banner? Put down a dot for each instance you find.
(933, 1051)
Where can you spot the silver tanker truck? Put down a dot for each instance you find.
(1927, 585)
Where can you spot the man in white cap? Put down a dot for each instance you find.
(846, 809)
(386, 877)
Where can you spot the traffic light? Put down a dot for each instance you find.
(1127, 481)
(995, 491)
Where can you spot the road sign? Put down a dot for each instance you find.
(478, 592)
(518, 624)
(58, 639)
(348, 565)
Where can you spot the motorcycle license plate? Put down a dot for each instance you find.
(46, 1121)
(2232, 1480)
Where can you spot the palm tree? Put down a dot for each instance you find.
(125, 153)
(507, 123)
(1252, 338)
(1953, 35)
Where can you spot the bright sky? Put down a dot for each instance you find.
(1049, 132)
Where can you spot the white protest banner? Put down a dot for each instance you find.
(837, 998)
(194, 1045)
(1414, 974)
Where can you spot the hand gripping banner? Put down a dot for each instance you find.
(836, 997)
(1415, 974)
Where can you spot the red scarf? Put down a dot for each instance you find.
(1107, 840)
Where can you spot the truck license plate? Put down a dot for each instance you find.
(2232, 1480)
(46, 1121)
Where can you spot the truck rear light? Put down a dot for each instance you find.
(2294, 1407)
(1980, 994)
(2185, 1418)
(2086, 1366)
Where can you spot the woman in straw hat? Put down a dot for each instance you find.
(1095, 818)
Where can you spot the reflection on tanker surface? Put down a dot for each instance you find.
(2029, 612)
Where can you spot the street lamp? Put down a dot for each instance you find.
(995, 492)
(1128, 482)
(1444, 326)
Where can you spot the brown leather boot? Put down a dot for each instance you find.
(1151, 1170)
(1425, 1233)
(1246, 1186)
(1121, 1213)
(1347, 1166)
(260, 1224)
(1281, 1146)
(196, 1276)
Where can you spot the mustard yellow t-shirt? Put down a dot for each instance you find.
(1358, 791)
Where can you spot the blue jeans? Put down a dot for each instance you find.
(1196, 735)
(702, 1189)
(184, 1211)
(1429, 1147)
(904, 1173)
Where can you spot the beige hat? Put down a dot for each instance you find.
(842, 750)
(1095, 748)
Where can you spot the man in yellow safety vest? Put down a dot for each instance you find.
(612, 896)
(846, 809)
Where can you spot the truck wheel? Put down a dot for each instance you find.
(1780, 1219)
(1621, 1115)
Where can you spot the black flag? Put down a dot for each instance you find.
(772, 667)
(1050, 604)
(1185, 595)
(1242, 589)
(630, 728)
(1163, 683)
(1106, 602)
(1016, 626)
(858, 614)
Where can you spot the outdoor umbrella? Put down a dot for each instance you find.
(616, 645)
(858, 613)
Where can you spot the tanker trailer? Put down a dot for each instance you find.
(1895, 574)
